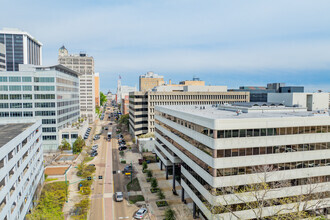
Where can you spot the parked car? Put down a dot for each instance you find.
(121, 148)
(95, 147)
(128, 168)
(119, 196)
(91, 165)
(141, 213)
(96, 137)
(94, 154)
(86, 137)
(106, 128)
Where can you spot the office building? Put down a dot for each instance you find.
(149, 80)
(260, 93)
(21, 48)
(97, 89)
(2, 57)
(224, 154)
(47, 93)
(125, 105)
(84, 65)
(142, 104)
(21, 167)
(311, 101)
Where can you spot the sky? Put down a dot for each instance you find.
(231, 43)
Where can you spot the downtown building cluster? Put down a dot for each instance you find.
(39, 106)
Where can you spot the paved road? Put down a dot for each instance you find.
(97, 203)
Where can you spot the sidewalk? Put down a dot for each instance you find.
(181, 210)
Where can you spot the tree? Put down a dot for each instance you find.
(103, 98)
(144, 165)
(256, 197)
(64, 145)
(154, 183)
(78, 145)
(169, 214)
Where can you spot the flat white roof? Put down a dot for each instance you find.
(214, 113)
(18, 31)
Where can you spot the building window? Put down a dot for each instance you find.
(26, 79)
(14, 79)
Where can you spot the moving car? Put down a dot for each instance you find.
(141, 213)
(119, 196)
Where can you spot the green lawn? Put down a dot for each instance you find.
(50, 204)
(87, 159)
(134, 199)
(50, 179)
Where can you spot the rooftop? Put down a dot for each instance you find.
(18, 31)
(10, 131)
(244, 111)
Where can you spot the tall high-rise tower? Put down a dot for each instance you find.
(20, 48)
(85, 65)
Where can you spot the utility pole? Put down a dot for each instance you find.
(131, 172)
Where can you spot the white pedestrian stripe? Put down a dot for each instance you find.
(123, 217)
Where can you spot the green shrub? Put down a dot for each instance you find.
(169, 214)
(161, 195)
(149, 173)
(144, 165)
(154, 183)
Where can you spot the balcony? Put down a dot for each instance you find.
(2, 183)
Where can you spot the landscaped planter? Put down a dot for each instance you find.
(161, 203)
(154, 190)
(149, 179)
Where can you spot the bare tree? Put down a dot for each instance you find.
(258, 196)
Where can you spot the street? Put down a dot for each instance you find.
(103, 205)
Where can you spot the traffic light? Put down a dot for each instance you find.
(89, 178)
(100, 177)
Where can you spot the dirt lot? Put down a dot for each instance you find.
(55, 170)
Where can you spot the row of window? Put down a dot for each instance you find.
(67, 82)
(26, 96)
(66, 110)
(272, 149)
(73, 136)
(45, 113)
(66, 89)
(245, 188)
(310, 195)
(15, 79)
(64, 118)
(16, 114)
(65, 103)
(49, 129)
(247, 132)
(48, 137)
(48, 121)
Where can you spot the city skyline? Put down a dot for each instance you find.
(222, 43)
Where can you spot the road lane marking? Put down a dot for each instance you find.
(124, 217)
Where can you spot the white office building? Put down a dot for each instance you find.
(311, 101)
(83, 64)
(21, 167)
(47, 93)
(21, 48)
(222, 153)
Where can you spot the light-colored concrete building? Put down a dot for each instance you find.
(224, 154)
(97, 89)
(142, 104)
(21, 167)
(311, 101)
(2, 57)
(50, 94)
(84, 65)
(21, 48)
(149, 80)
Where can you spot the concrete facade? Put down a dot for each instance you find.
(142, 104)
(97, 89)
(215, 151)
(21, 48)
(311, 101)
(50, 94)
(84, 65)
(21, 166)
(149, 80)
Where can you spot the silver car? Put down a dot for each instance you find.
(119, 196)
(141, 213)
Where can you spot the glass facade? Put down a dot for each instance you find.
(15, 53)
